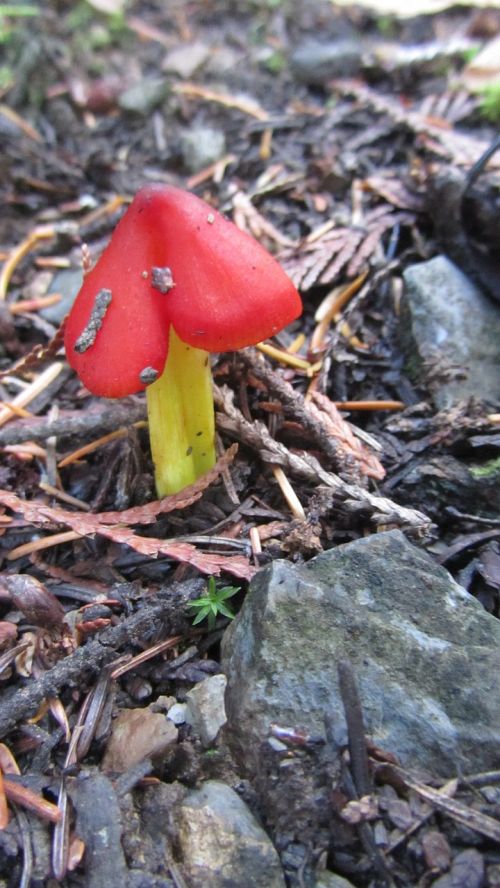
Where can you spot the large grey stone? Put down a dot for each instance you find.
(317, 62)
(426, 655)
(201, 146)
(450, 326)
(221, 844)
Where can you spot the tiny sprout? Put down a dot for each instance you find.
(212, 604)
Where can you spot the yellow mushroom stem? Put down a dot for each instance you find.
(181, 418)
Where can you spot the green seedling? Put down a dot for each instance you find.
(213, 604)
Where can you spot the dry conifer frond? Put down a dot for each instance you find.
(114, 526)
(318, 261)
(327, 413)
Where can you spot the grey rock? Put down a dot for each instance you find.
(205, 708)
(99, 825)
(450, 326)
(221, 844)
(331, 880)
(224, 59)
(314, 62)
(185, 60)
(67, 283)
(425, 653)
(201, 146)
(177, 713)
(144, 96)
(138, 734)
(467, 869)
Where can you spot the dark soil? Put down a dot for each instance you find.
(369, 153)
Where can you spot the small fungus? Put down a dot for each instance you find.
(225, 292)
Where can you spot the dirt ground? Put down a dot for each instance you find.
(344, 167)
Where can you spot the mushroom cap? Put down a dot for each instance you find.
(172, 259)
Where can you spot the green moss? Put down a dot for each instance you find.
(387, 26)
(490, 103)
(486, 470)
(275, 62)
(468, 55)
(10, 15)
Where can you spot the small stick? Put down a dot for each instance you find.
(355, 727)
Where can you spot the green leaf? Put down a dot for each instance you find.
(226, 611)
(201, 616)
(227, 592)
(211, 605)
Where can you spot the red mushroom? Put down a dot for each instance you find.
(176, 281)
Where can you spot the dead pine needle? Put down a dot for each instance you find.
(330, 308)
(4, 811)
(25, 797)
(31, 391)
(289, 494)
(22, 124)
(63, 496)
(255, 541)
(44, 232)
(289, 360)
(34, 304)
(106, 209)
(95, 445)
(44, 543)
(144, 656)
(27, 451)
(246, 106)
(296, 344)
(369, 405)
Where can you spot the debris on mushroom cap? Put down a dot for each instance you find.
(148, 375)
(134, 331)
(161, 279)
(224, 290)
(89, 333)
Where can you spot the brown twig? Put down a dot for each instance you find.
(355, 727)
(153, 619)
(104, 416)
(295, 407)
(256, 435)
(357, 778)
